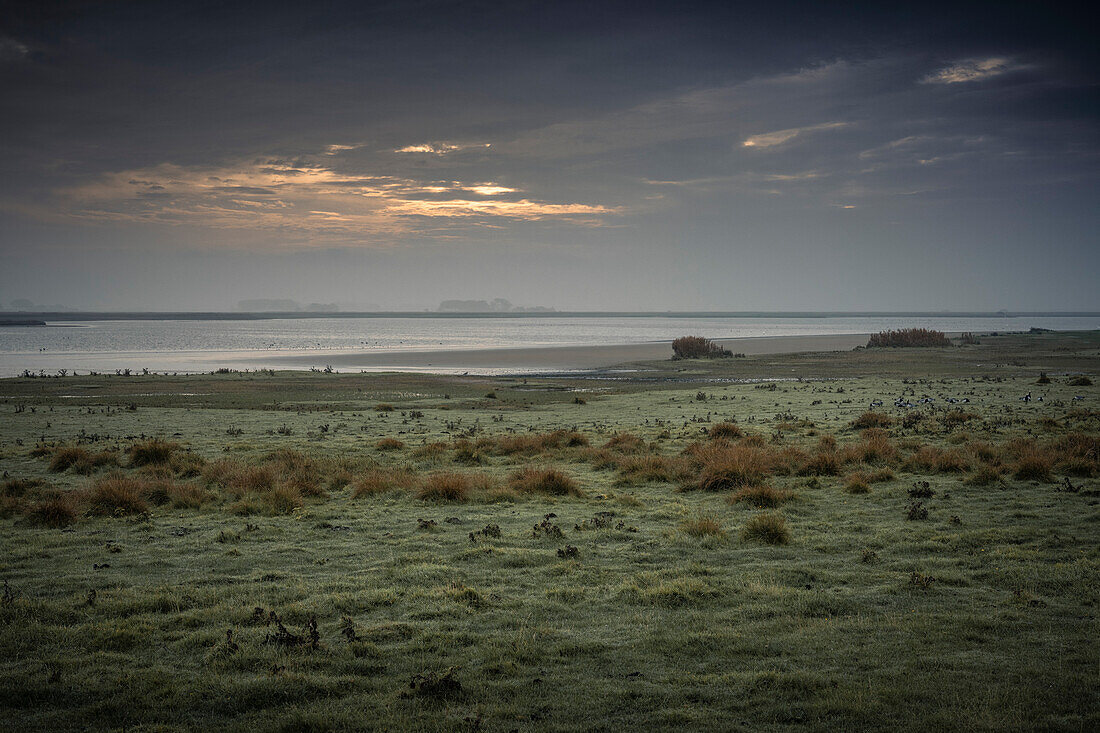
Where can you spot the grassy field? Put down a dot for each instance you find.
(727, 544)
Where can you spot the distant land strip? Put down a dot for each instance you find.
(30, 317)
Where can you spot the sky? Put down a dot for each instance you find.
(756, 156)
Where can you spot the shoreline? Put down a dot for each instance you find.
(494, 361)
(564, 358)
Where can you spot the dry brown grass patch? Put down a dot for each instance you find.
(68, 456)
(733, 467)
(724, 430)
(703, 527)
(389, 444)
(643, 469)
(552, 481)
(118, 495)
(872, 419)
(930, 459)
(55, 511)
(151, 451)
(768, 527)
(625, 443)
(378, 481)
(448, 486)
(761, 495)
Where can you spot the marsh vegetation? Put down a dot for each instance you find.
(404, 551)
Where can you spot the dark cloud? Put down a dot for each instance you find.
(736, 150)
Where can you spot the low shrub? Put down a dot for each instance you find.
(908, 337)
(697, 347)
(769, 528)
(956, 418)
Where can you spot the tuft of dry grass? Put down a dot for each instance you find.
(625, 443)
(857, 483)
(874, 447)
(724, 431)
(761, 495)
(153, 451)
(118, 495)
(552, 481)
(821, 463)
(648, 468)
(251, 479)
(187, 496)
(703, 527)
(930, 459)
(1033, 462)
(533, 443)
(733, 467)
(871, 419)
(378, 481)
(284, 499)
(450, 486)
(54, 511)
(985, 475)
(430, 450)
(68, 456)
(956, 418)
(389, 444)
(768, 527)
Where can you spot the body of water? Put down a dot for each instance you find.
(204, 345)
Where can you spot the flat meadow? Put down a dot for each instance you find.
(740, 543)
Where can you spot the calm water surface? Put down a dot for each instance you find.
(201, 345)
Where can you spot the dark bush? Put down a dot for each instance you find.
(909, 337)
(697, 347)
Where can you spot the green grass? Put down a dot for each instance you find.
(675, 611)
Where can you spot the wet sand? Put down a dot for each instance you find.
(551, 358)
